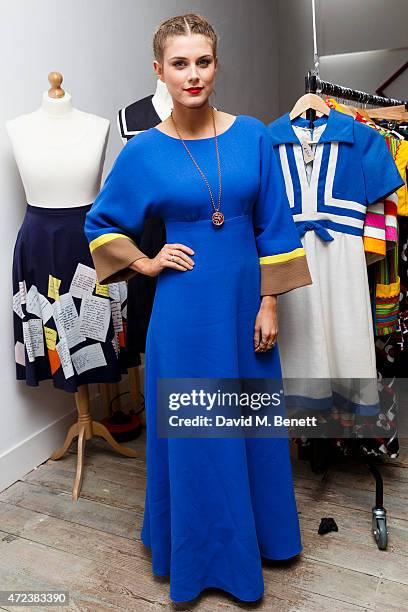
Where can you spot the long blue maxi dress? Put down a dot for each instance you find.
(213, 506)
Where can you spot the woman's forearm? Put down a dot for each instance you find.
(142, 265)
(269, 301)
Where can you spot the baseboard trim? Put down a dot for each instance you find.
(16, 462)
(28, 454)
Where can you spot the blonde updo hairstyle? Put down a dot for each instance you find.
(182, 25)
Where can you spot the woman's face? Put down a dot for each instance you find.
(188, 69)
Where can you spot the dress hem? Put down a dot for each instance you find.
(246, 599)
(207, 586)
(284, 558)
(215, 586)
(74, 387)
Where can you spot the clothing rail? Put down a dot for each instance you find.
(315, 85)
(320, 448)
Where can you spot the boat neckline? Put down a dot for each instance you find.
(200, 139)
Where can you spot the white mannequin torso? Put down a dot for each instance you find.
(60, 152)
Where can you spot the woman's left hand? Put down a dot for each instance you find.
(266, 325)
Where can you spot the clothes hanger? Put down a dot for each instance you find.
(343, 108)
(348, 109)
(389, 112)
(309, 101)
(364, 112)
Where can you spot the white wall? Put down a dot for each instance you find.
(367, 70)
(361, 25)
(362, 43)
(347, 27)
(103, 48)
(295, 50)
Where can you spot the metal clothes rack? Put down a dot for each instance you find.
(320, 448)
(313, 84)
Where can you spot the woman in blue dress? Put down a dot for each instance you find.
(214, 506)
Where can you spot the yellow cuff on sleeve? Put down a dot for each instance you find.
(112, 254)
(284, 272)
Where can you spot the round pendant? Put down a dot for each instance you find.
(217, 218)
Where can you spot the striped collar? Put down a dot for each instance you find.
(339, 128)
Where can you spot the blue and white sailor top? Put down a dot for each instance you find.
(352, 168)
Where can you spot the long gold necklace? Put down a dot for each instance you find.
(217, 216)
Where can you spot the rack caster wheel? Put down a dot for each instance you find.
(379, 525)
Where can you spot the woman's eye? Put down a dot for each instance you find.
(202, 62)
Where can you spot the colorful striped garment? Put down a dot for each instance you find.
(387, 293)
(381, 228)
(381, 225)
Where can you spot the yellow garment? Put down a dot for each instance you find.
(399, 150)
(401, 160)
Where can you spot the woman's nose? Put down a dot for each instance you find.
(193, 74)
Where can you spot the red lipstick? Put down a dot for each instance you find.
(194, 90)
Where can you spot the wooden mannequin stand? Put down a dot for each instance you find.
(85, 428)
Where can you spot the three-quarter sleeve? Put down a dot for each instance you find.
(115, 222)
(282, 257)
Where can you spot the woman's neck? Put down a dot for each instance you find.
(192, 121)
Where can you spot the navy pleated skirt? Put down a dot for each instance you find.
(67, 327)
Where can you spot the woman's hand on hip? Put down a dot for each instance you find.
(175, 256)
(266, 325)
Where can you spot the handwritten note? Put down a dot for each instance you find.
(46, 308)
(33, 302)
(67, 320)
(88, 357)
(33, 338)
(123, 291)
(17, 305)
(114, 291)
(95, 317)
(23, 291)
(83, 282)
(102, 290)
(115, 344)
(50, 338)
(117, 316)
(65, 358)
(53, 287)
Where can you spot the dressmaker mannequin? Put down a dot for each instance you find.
(60, 153)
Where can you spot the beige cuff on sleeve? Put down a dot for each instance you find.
(282, 277)
(112, 254)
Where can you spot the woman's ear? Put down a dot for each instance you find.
(158, 69)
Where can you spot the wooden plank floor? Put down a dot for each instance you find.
(92, 548)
